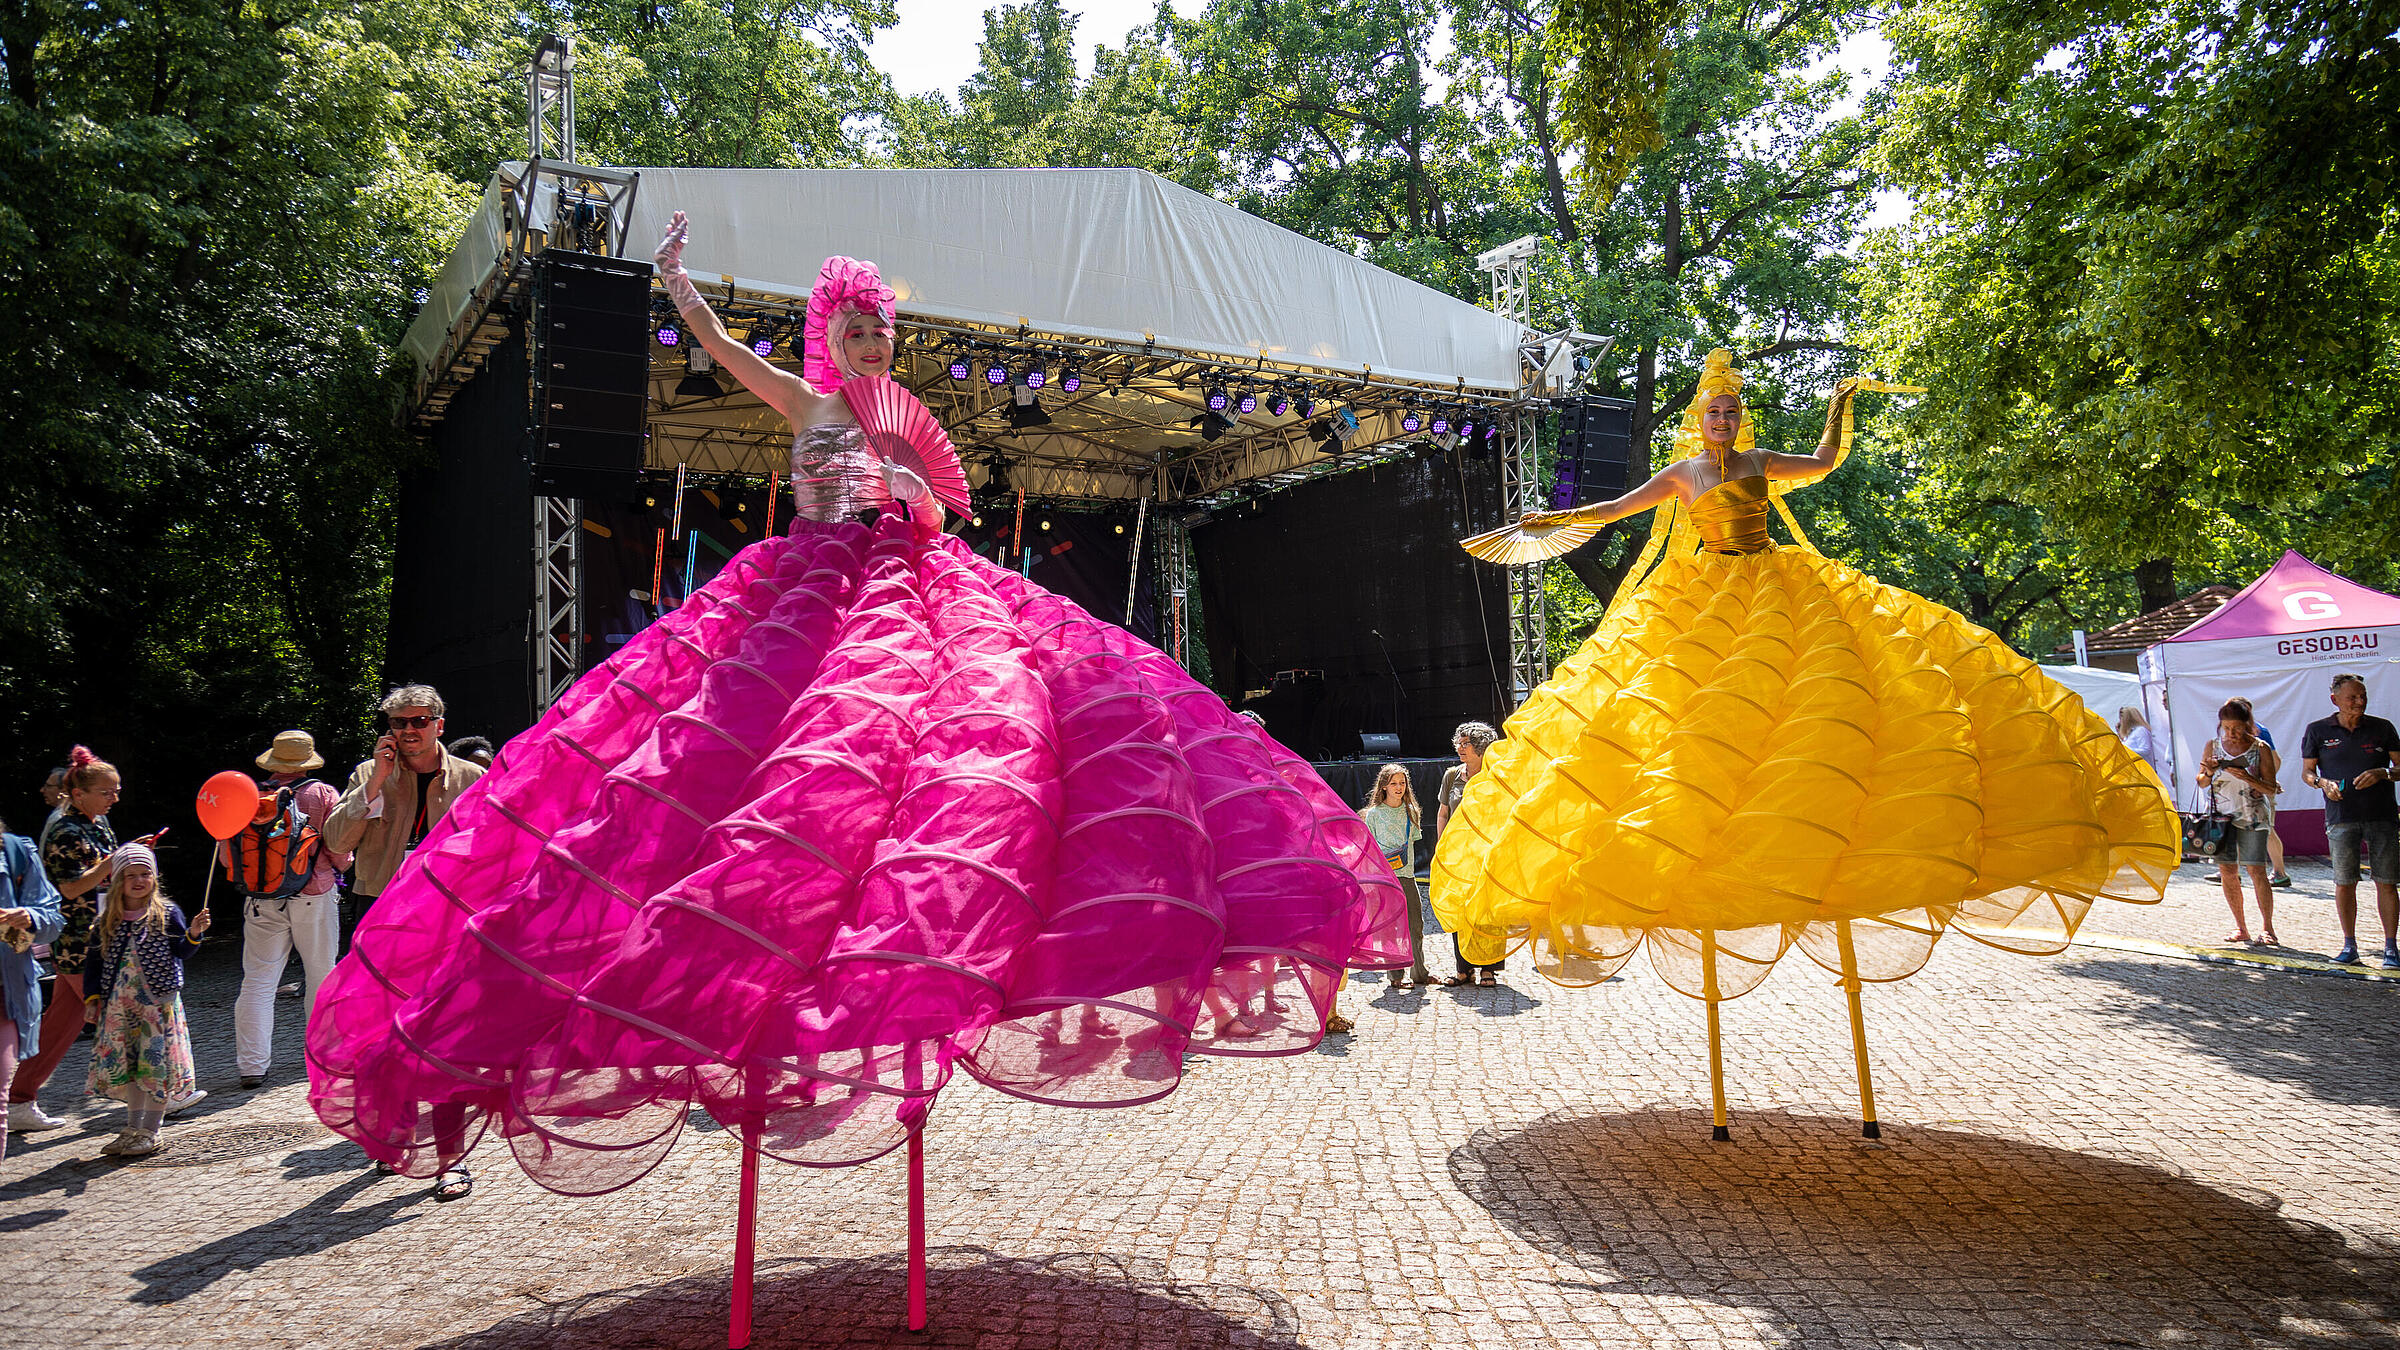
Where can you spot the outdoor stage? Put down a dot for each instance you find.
(2103, 1148)
(1253, 450)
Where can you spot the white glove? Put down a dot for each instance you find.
(670, 266)
(903, 485)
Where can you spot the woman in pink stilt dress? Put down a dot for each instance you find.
(864, 811)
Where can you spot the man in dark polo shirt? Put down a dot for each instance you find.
(2350, 757)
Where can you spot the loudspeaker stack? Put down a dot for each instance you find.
(591, 372)
(1596, 455)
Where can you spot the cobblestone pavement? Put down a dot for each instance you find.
(2194, 912)
(2102, 1148)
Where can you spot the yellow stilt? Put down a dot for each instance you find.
(1721, 1127)
(1858, 1035)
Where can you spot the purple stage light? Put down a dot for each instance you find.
(1036, 377)
(959, 369)
(669, 335)
(1441, 424)
(1279, 405)
(1249, 402)
(1070, 381)
(1409, 421)
(995, 373)
(1216, 400)
(764, 346)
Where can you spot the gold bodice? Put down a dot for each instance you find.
(1732, 516)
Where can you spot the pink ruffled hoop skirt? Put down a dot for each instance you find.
(865, 810)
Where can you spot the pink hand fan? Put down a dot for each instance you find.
(904, 431)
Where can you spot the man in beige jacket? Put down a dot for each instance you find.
(396, 798)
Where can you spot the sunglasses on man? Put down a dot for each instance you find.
(410, 723)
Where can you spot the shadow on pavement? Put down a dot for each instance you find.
(2327, 1037)
(975, 1297)
(317, 1226)
(1968, 1238)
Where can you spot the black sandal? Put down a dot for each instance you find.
(454, 1183)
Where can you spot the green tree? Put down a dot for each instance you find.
(1025, 106)
(2151, 274)
(212, 219)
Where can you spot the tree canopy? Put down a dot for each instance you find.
(2149, 275)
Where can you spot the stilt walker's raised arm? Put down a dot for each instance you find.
(783, 391)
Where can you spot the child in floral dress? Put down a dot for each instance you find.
(133, 975)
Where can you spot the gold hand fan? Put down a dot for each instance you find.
(1540, 535)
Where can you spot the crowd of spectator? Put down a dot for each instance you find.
(92, 947)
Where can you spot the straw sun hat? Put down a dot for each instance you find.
(293, 752)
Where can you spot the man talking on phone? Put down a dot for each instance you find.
(396, 797)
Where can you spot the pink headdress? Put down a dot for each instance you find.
(843, 285)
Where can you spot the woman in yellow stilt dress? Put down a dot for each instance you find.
(1761, 747)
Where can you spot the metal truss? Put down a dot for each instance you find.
(557, 597)
(1528, 610)
(1175, 540)
(1520, 477)
(550, 100)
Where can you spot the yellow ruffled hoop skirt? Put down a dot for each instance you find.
(1759, 747)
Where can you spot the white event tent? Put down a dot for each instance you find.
(2102, 691)
(2278, 643)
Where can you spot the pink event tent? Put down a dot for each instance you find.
(2279, 644)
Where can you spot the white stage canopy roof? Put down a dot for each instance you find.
(1159, 286)
(1117, 255)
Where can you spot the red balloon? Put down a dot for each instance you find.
(227, 802)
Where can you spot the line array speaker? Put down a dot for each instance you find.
(1596, 455)
(591, 372)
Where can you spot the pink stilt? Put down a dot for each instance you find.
(745, 1242)
(916, 1229)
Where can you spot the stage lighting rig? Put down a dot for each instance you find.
(1212, 425)
(1410, 421)
(996, 374)
(1249, 402)
(1025, 410)
(1071, 378)
(1441, 422)
(699, 378)
(961, 366)
(1035, 375)
(1214, 396)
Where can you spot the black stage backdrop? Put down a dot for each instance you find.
(462, 581)
(1360, 576)
(1352, 779)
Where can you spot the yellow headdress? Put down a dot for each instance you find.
(1717, 376)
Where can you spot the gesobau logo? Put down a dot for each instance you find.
(2328, 644)
(2307, 606)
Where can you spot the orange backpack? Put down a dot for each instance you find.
(273, 856)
